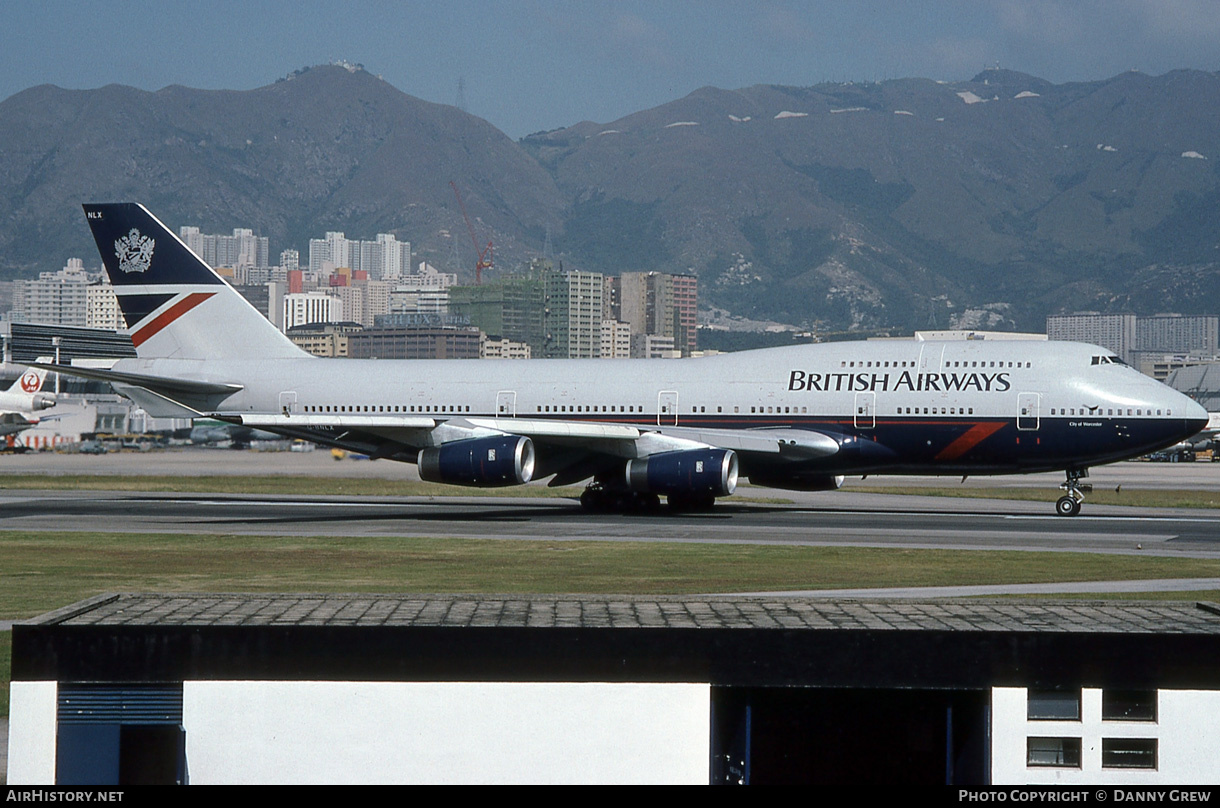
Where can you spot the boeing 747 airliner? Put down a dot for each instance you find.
(797, 418)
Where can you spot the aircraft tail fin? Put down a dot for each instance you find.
(174, 304)
(26, 392)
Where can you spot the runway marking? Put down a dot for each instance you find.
(1115, 518)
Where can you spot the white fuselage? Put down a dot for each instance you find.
(891, 389)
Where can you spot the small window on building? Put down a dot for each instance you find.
(1128, 705)
(1057, 752)
(1053, 705)
(1128, 753)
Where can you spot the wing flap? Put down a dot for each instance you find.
(632, 441)
(326, 421)
(794, 443)
(558, 429)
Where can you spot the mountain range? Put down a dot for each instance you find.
(878, 206)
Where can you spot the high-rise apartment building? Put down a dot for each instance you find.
(1178, 334)
(616, 340)
(310, 307)
(1113, 331)
(242, 249)
(55, 298)
(102, 307)
(290, 260)
(385, 258)
(656, 304)
(572, 318)
(510, 308)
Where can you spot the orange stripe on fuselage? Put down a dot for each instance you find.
(168, 316)
(969, 439)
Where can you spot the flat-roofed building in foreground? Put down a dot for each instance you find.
(419, 688)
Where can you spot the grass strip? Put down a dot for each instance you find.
(44, 570)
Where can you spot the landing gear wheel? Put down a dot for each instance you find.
(610, 500)
(702, 502)
(1067, 506)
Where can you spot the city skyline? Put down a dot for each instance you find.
(540, 64)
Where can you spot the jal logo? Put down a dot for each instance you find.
(30, 382)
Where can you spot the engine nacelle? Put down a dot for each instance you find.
(803, 482)
(695, 471)
(486, 462)
(42, 401)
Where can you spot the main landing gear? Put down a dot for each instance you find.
(600, 499)
(1069, 504)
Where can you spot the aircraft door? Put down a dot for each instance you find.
(288, 402)
(506, 404)
(1029, 412)
(667, 408)
(930, 359)
(865, 416)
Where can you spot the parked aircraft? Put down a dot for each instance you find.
(798, 417)
(24, 398)
(210, 432)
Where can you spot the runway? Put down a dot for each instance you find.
(838, 518)
(845, 517)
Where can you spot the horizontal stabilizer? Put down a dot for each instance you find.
(166, 385)
(171, 397)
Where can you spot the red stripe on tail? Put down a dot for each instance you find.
(168, 316)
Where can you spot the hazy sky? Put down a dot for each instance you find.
(540, 64)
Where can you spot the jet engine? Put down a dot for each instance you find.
(42, 401)
(694, 471)
(486, 462)
(799, 482)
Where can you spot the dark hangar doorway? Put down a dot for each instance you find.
(811, 735)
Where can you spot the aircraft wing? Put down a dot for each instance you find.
(574, 450)
(641, 441)
(14, 422)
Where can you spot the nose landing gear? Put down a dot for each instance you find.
(1069, 504)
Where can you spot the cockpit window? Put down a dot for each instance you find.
(1107, 360)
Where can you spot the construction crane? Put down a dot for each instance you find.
(486, 255)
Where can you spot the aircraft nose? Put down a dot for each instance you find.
(1195, 419)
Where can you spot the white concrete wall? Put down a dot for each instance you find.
(1187, 730)
(406, 732)
(31, 733)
